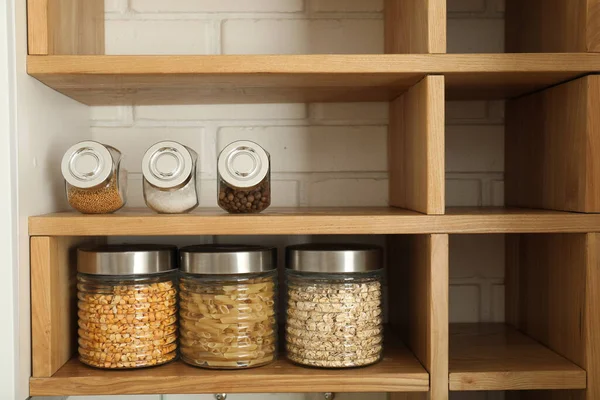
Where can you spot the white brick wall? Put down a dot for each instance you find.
(323, 154)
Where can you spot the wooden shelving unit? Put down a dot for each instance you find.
(551, 339)
(399, 371)
(498, 357)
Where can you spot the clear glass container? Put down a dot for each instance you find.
(95, 181)
(127, 306)
(170, 178)
(244, 181)
(228, 302)
(334, 305)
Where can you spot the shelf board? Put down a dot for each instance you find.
(313, 221)
(147, 80)
(497, 357)
(399, 371)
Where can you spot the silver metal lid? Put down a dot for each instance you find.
(227, 259)
(334, 258)
(141, 259)
(168, 164)
(87, 164)
(243, 164)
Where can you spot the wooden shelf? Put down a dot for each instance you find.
(399, 371)
(144, 80)
(313, 221)
(497, 357)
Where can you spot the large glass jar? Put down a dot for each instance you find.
(334, 311)
(95, 181)
(170, 178)
(244, 179)
(228, 306)
(127, 301)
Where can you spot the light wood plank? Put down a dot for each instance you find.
(313, 221)
(552, 147)
(415, 26)
(399, 371)
(53, 302)
(418, 269)
(113, 80)
(559, 276)
(552, 26)
(416, 148)
(496, 357)
(65, 27)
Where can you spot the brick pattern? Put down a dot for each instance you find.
(322, 154)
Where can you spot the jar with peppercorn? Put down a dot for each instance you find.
(95, 181)
(244, 180)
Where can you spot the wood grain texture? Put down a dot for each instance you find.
(399, 371)
(415, 26)
(547, 26)
(313, 221)
(552, 147)
(497, 357)
(559, 277)
(416, 148)
(126, 80)
(65, 27)
(418, 269)
(53, 302)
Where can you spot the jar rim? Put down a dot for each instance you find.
(126, 259)
(227, 259)
(334, 258)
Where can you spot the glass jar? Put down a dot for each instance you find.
(170, 178)
(334, 312)
(244, 179)
(95, 181)
(228, 299)
(127, 305)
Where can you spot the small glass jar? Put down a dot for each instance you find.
(170, 178)
(244, 180)
(334, 311)
(127, 305)
(95, 181)
(228, 306)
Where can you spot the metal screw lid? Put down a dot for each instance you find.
(227, 259)
(168, 164)
(243, 164)
(334, 258)
(140, 259)
(87, 164)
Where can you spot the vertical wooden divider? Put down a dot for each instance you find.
(552, 147)
(552, 26)
(416, 148)
(53, 302)
(553, 292)
(65, 27)
(418, 303)
(415, 26)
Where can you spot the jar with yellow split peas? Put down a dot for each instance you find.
(127, 305)
(228, 306)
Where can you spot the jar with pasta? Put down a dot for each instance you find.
(127, 305)
(228, 306)
(334, 312)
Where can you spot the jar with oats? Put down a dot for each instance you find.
(334, 312)
(244, 179)
(95, 181)
(228, 306)
(127, 305)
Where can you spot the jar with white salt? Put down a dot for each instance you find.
(170, 178)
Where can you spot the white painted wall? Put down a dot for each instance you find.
(323, 154)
